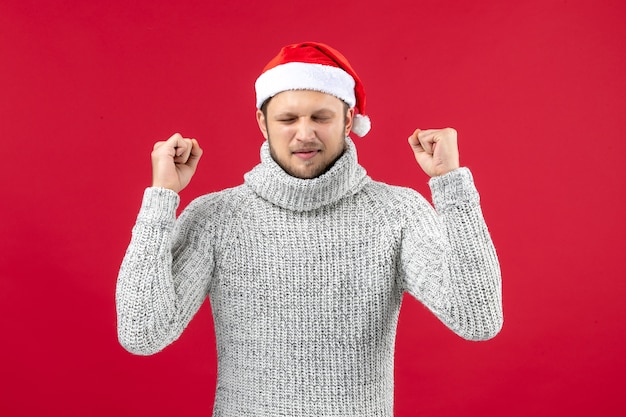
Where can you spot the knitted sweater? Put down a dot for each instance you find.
(305, 280)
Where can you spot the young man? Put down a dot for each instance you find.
(306, 262)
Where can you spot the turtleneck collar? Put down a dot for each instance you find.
(345, 178)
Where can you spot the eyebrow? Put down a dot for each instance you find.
(319, 112)
(324, 111)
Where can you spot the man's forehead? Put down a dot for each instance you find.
(307, 98)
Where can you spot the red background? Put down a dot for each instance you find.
(535, 88)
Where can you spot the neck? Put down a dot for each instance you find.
(344, 177)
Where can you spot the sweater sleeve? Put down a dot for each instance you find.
(164, 276)
(448, 260)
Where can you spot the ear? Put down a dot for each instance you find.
(349, 120)
(260, 119)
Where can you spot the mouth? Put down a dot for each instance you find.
(305, 153)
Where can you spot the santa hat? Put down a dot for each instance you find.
(318, 67)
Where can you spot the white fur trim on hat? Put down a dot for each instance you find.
(305, 76)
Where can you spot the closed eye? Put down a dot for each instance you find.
(323, 116)
(286, 120)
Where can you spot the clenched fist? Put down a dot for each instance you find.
(436, 150)
(174, 162)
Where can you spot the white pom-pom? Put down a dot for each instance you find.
(361, 125)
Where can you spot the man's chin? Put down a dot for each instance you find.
(305, 173)
(309, 169)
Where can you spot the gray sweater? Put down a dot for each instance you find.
(305, 280)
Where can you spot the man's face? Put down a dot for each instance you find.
(306, 131)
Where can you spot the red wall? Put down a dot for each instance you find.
(535, 88)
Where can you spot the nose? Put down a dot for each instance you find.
(305, 129)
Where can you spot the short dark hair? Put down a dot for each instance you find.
(263, 107)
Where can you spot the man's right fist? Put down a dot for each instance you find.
(174, 162)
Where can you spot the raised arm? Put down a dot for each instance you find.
(164, 276)
(448, 258)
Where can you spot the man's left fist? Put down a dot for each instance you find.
(436, 150)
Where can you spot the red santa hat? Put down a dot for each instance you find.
(318, 67)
